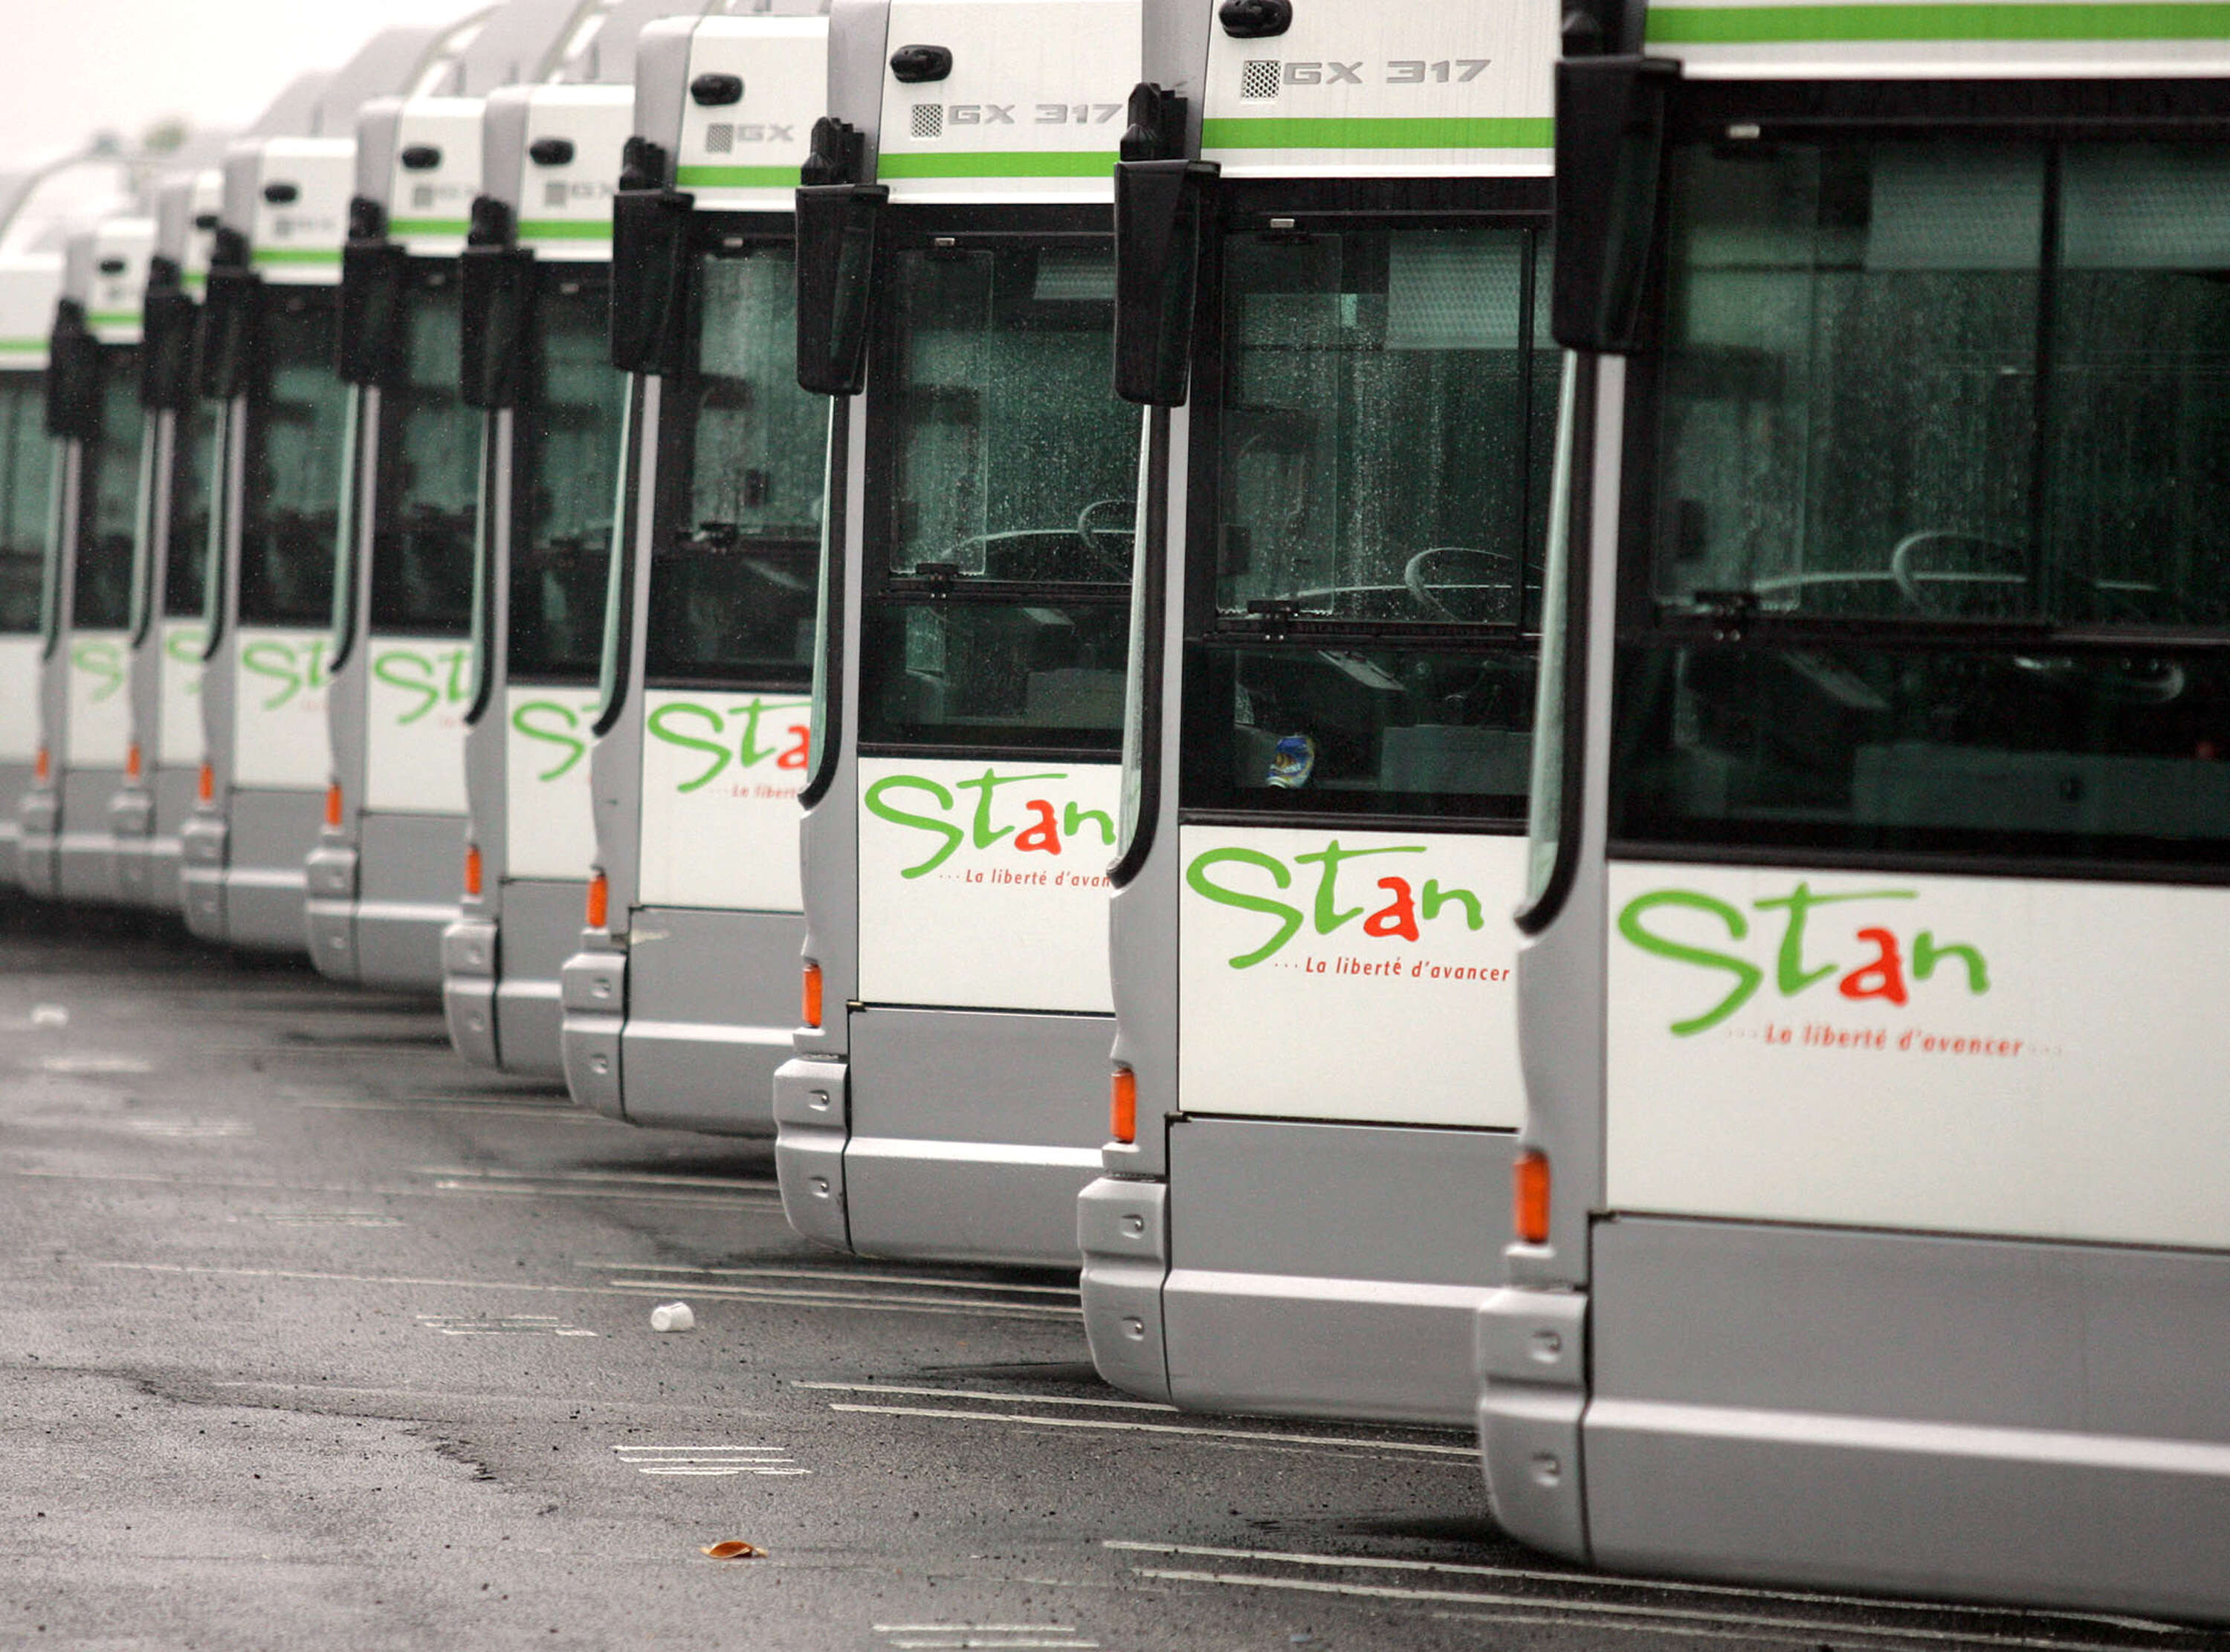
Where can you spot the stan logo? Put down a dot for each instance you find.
(704, 729)
(430, 678)
(296, 667)
(103, 661)
(1041, 830)
(553, 725)
(1884, 974)
(1406, 908)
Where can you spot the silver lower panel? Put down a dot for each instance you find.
(711, 1000)
(86, 852)
(1322, 1270)
(1986, 1419)
(270, 835)
(539, 924)
(409, 868)
(468, 955)
(972, 1133)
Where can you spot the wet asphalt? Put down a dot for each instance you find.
(312, 1334)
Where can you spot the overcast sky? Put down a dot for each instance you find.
(77, 67)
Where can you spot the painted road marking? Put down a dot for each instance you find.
(849, 1274)
(636, 1289)
(499, 1325)
(1664, 1585)
(933, 1304)
(973, 1634)
(323, 1219)
(438, 1190)
(1604, 1614)
(96, 1065)
(715, 1461)
(189, 1129)
(627, 1177)
(556, 1112)
(980, 1394)
(1468, 1456)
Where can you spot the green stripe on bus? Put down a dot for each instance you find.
(2017, 21)
(21, 346)
(1393, 132)
(736, 177)
(114, 318)
(1001, 162)
(296, 254)
(565, 229)
(429, 226)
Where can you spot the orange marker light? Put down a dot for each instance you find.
(472, 869)
(132, 761)
(206, 788)
(41, 766)
(600, 901)
(333, 804)
(1123, 1105)
(1528, 1196)
(811, 1006)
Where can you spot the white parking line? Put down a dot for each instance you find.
(850, 1274)
(714, 1461)
(1467, 1455)
(1825, 1629)
(970, 1634)
(750, 1203)
(1006, 1310)
(553, 1111)
(1591, 1580)
(979, 1393)
(626, 1177)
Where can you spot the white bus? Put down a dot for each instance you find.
(162, 661)
(956, 264)
(1335, 290)
(679, 1007)
(267, 353)
(30, 286)
(85, 714)
(1870, 1204)
(384, 878)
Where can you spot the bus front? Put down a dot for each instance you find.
(170, 592)
(957, 262)
(67, 848)
(30, 286)
(679, 1006)
(1336, 286)
(1870, 1218)
(537, 365)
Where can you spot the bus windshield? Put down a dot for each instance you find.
(1379, 437)
(193, 485)
(108, 499)
(290, 508)
(565, 471)
(1007, 497)
(26, 469)
(734, 564)
(1937, 555)
(426, 490)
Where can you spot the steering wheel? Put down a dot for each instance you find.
(1421, 591)
(1104, 543)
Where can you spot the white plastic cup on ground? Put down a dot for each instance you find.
(673, 1316)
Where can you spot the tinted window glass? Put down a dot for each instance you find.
(733, 568)
(426, 505)
(1907, 384)
(564, 469)
(193, 491)
(26, 469)
(1382, 442)
(297, 421)
(109, 499)
(1011, 464)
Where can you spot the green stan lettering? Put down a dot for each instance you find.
(276, 661)
(1289, 917)
(546, 720)
(1436, 898)
(412, 672)
(1328, 915)
(1747, 975)
(661, 724)
(985, 834)
(1928, 952)
(876, 801)
(1072, 817)
(103, 661)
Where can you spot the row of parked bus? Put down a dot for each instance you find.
(1102, 525)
